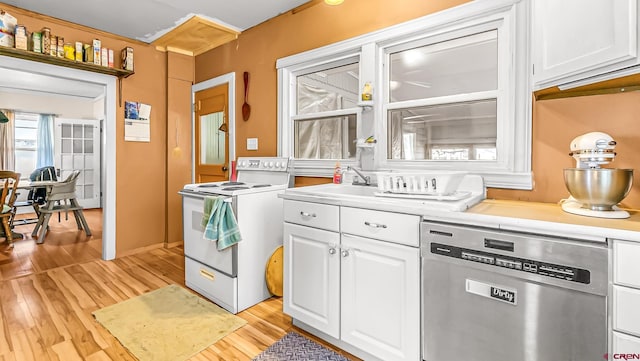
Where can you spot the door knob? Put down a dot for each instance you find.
(225, 168)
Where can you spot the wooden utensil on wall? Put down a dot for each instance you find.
(246, 108)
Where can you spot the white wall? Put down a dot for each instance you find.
(61, 105)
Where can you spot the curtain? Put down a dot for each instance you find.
(318, 138)
(7, 142)
(44, 151)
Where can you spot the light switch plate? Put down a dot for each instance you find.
(252, 143)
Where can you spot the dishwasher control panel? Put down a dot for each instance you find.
(568, 273)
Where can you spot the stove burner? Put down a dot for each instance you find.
(238, 188)
(207, 185)
(261, 185)
(232, 184)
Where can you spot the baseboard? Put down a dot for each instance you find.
(174, 244)
(139, 250)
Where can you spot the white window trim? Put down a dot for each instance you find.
(513, 172)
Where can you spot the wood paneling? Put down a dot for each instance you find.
(195, 36)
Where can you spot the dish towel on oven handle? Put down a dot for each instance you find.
(221, 225)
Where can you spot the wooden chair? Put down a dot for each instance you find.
(9, 181)
(61, 197)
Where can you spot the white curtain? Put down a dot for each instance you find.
(318, 139)
(44, 150)
(7, 142)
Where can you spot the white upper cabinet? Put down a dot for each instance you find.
(578, 39)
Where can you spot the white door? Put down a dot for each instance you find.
(77, 147)
(578, 36)
(380, 295)
(312, 277)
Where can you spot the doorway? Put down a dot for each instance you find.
(211, 135)
(77, 147)
(212, 114)
(107, 140)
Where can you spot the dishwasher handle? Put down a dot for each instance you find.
(498, 244)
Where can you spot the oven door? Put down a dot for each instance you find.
(462, 321)
(200, 249)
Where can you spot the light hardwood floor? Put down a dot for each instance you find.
(47, 294)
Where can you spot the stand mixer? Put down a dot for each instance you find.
(595, 191)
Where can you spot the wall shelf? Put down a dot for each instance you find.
(29, 55)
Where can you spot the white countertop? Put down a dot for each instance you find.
(531, 217)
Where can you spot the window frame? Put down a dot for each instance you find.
(510, 18)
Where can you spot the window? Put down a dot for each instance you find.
(324, 124)
(26, 135)
(459, 79)
(451, 91)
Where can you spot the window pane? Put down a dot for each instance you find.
(459, 131)
(329, 89)
(325, 138)
(212, 139)
(464, 65)
(25, 162)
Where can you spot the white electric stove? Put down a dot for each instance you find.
(234, 277)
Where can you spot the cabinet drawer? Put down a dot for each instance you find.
(386, 226)
(626, 313)
(316, 215)
(625, 344)
(626, 268)
(216, 286)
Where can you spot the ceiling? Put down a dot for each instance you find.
(148, 20)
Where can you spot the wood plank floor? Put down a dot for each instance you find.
(47, 294)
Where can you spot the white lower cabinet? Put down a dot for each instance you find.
(312, 277)
(625, 299)
(361, 291)
(380, 298)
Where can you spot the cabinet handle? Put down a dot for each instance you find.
(374, 225)
(345, 252)
(306, 214)
(207, 275)
(332, 250)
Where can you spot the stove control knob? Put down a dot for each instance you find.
(277, 164)
(270, 164)
(243, 163)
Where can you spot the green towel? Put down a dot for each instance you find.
(221, 225)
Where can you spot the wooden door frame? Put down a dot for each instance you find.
(230, 80)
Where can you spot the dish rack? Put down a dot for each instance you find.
(440, 185)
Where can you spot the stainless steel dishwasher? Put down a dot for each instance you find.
(508, 296)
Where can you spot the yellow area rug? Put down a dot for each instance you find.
(168, 324)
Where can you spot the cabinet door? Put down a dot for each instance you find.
(380, 295)
(626, 270)
(312, 277)
(575, 39)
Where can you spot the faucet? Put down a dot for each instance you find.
(365, 178)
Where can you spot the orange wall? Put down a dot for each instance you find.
(140, 177)
(555, 122)
(257, 49)
(180, 78)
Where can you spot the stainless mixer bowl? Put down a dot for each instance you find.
(598, 189)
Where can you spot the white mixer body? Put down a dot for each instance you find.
(592, 149)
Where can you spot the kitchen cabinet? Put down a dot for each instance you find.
(355, 278)
(576, 39)
(380, 309)
(312, 277)
(625, 298)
